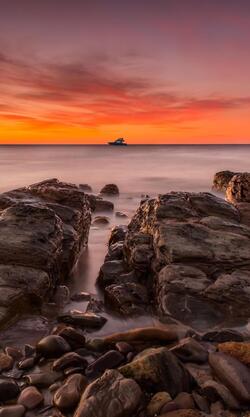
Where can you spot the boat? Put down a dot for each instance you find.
(118, 142)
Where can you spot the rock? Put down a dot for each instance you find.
(225, 335)
(85, 320)
(12, 411)
(238, 189)
(62, 296)
(157, 369)
(157, 402)
(121, 215)
(184, 400)
(240, 351)
(30, 398)
(169, 407)
(184, 413)
(6, 362)
(68, 360)
(85, 187)
(52, 346)
(29, 350)
(128, 298)
(201, 402)
(75, 338)
(232, 373)
(103, 205)
(42, 379)
(189, 350)
(100, 221)
(124, 347)
(44, 227)
(110, 189)
(111, 359)
(15, 353)
(81, 296)
(145, 334)
(118, 234)
(8, 389)
(194, 251)
(222, 179)
(27, 363)
(110, 272)
(68, 395)
(115, 252)
(118, 396)
(215, 391)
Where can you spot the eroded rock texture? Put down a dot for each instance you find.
(43, 228)
(192, 253)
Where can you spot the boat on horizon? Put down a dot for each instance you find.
(118, 142)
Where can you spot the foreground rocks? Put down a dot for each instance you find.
(44, 227)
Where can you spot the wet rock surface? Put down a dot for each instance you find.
(43, 229)
(191, 252)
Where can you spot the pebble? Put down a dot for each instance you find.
(109, 360)
(170, 406)
(27, 363)
(74, 337)
(52, 346)
(43, 379)
(85, 320)
(157, 402)
(6, 362)
(68, 360)
(124, 347)
(8, 390)
(185, 400)
(15, 353)
(30, 398)
(12, 411)
(68, 395)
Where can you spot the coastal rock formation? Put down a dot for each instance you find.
(238, 189)
(192, 253)
(222, 179)
(44, 227)
(110, 189)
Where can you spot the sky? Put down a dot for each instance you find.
(152, 71)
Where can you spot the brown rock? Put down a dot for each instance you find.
(144, 334)
(6, 362)
(189, 350)
(185, 400)
(240, 351)
(110, 189)
(30, 398)
(222, 179)
(157, 402)
(68, 360)
(52, 346)
(68, 395)
(12, 411)
(238, 189)
(118, 397)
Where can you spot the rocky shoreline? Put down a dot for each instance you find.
(184, 257)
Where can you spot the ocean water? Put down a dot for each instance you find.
(137, 170)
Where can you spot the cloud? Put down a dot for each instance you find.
(93, 93)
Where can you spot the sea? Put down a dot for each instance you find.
(138, 171)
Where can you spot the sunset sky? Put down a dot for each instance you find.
(152, 71)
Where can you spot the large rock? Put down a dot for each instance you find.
(222, 179)
(238, 189)
(193, 253)
(157, 369)
(111, 395)
(43, 229)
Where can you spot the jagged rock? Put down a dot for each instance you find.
(118, 397)
(157, 369)
(222, 179)
(115, 252)
(240, 351)
(85, 320)
(233, 374)
(238, 189)
(194, 253)
(43, 229)
(110, 189)
(110, 273)
(118, 234)
(129, 298)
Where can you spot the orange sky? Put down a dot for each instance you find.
(152, 72)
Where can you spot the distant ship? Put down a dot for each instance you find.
(118, 142)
